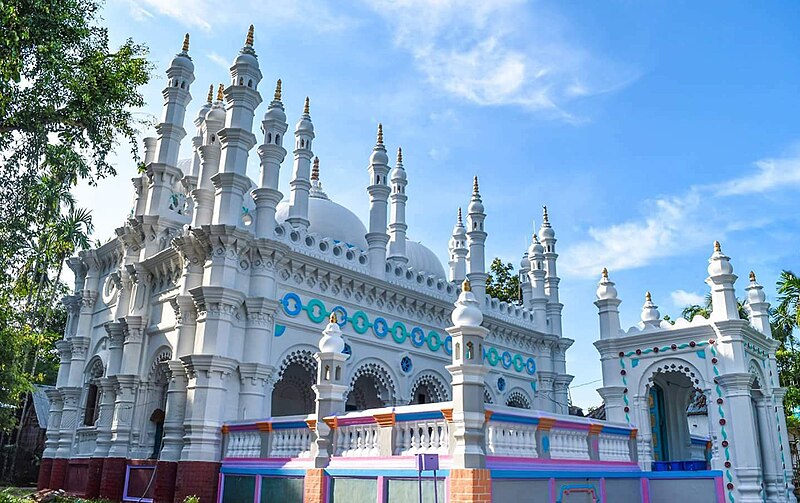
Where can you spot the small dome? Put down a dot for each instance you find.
(525, 263)
(650, 314)
(535, 248)
(246, 58)
(304, 125)
(201, 114)
(182, 60)
(398, 174)
(216, 113)
(331, 341)
(275, 113)
(606, 289)
(379, 156)
(475, 206)
(331, 220)
(467, 313)
(547, 232)
(422, 259)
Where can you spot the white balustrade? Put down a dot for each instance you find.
(511, 439)
(569, 444)
(613, 447)
(243, 444)
(290, 443)
(357, 440)
(426, 436)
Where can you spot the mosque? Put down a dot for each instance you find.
(237, 345)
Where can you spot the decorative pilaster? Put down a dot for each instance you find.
(105, 418)
(175, 413)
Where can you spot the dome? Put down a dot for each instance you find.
(467, 313)
(547, 232)
(275, 112)
(475, 206)
(182, 60)
(535, 248)
(201, 114)
(329, 219)
(246, 58)
(379, 156)
(398, 173)
(217, 113)
(525, 263)
(422, 259)
(331, 341)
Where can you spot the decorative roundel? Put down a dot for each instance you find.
(109, 291)
(347, 350)
(501, 384)
(406, 364)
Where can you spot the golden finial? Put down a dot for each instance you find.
(185, 43)
(249, 40)
(380, 134)
(278, 90)
(605, 273)
(465, 286)
(475, 184)
(545, 219)
(333, 318)
(315, 170)
(717, 247)
(647, 297)
(210, 93)
(399, 155)
(307, 107)
(752, 277)
(460, 221)
(220, 96)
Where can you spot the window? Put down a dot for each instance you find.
(92, 405)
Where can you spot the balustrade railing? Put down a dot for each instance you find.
(421, 436)
(280, 437)
(357, 440)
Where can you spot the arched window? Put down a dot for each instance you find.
(91, 410)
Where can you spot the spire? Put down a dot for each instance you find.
(277, 91)
(185, 48)
(380, 134)
(306, 107)
(220, 96)
(466, 286)
(717, 247)
(605, 274)
(210, 93)
(399, 156)
(315, 170)
(752, 277)
(475, 188)
(460, 221)
(650, 315)
(545, 218)
(249, 40)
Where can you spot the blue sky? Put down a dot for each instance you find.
(649, 129)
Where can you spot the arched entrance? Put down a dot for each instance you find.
(371, 387)
(669, 396)
(428, 388)
(292, 394)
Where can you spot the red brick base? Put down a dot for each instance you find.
(197, 478)
(315, 486)
(45, 467)
(165, 481)
(58, 472)
(470, 485)
(94, 476)
(112, 478)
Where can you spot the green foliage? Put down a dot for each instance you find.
(191, 499)
(502, 283)
(689, 312)
(785, 321)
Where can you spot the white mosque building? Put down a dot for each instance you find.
(192, 361)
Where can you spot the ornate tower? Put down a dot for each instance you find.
(378, 205)
(271, 153)
(554, 306)
(476, 240)
(209, 152)
(721, 280)
(538, 303)
(300, 184)
(397, 225)
(458, 251)
(330, 387)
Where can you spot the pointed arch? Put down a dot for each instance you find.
(432, 385)
(371, 385)
(293, 393)
(517, 398)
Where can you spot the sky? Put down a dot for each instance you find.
(649, 129)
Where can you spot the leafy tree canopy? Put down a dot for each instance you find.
(502, 283)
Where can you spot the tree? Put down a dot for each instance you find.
(689, 312)
(502, 283)
(785, 320)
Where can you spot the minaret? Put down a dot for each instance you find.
(242, 98)
(758, 307)
(537, 275)
(476, 241)
(721, 280)
(397, 225)
(210, 152)
(608, 307)
(650, 315)
(378, 205)
(329, 389)
(197, 139)
(525, 289)
(271, 152)
(554, 306)
(300, 184)
(458, 251)
(163, 172)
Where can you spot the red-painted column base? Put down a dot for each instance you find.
(94, 477)
(166, 471)
(45, 468)
(315, 486)
(112, 478)
(470, 485)
(58, 473)
(197, 478)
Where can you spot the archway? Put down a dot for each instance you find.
(518, 400)
(371, 387)
(428, 388)
(669, 396)
(292, 394)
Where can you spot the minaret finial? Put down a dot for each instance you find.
(752, 277)
(249, 40)
(460, 220)
(545, 219)
(466, 286)
(333, 317)
(210, 93)
(475, 185)
(185, 43)
(220, 96)
(315, 170)
(648, 297)
(307, 107)
(400, 155)
(380, 134)
(717, 247)
(605, 273)
(278, 90)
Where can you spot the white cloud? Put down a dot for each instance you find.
(497, 53)
(682, 298)
(219, 60)
(770, 174)
(190, 13)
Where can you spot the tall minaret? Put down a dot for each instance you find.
(554, 306)
(272, 153)
(758, 307)
(397, 225)
(197, 139)
(537, 279)
(476, 240)
(237, 138)
(210, 154)
(458, 251)
(163, 172)
(525, 289)
(301, 184)
(378, 205)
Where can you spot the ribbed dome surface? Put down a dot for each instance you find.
(329, 219)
